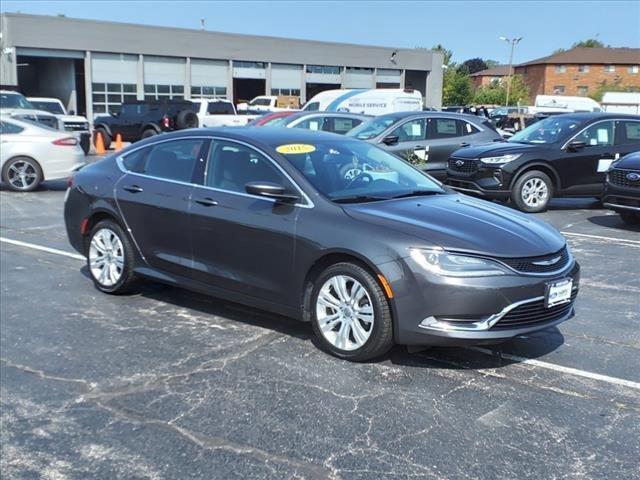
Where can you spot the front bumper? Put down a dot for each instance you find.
(433, 310)
(622, 199)
(477, 179)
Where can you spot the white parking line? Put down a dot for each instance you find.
(515, 358)
(33, 246)
(606, 239)
(559, 368)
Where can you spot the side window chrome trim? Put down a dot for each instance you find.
(613, 120)
(120, 162)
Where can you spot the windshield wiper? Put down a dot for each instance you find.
(358, 199)
(417, 193)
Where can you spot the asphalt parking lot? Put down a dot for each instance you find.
(170, 384)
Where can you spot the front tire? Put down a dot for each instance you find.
(150, 132)
(110, 258)
(22, 174)
(350, 313)
(532, 192)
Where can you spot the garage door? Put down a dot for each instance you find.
(286, 79)
(164, 77)
(390, 78)
(114, 78)
(358, 78)
(209, 78)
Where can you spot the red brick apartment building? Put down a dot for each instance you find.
(580, 71)
(489, 76)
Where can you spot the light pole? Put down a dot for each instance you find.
(513, 42)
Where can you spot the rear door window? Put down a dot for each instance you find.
(445, 128)
(314, 123)
(628, 133)
(175, 160)
(597, 135)
(342, 125)
(220, 108)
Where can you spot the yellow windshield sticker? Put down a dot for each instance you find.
(295, 148)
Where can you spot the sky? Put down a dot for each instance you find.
(468, 28)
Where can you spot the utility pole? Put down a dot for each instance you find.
(513, 42)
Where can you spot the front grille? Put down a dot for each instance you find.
(534, 313)
(529, 264)
(466, 166)
(76, 126)
(618, 176)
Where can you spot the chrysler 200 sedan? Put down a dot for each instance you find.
(263, 217)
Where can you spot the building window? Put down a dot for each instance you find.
(157, 92)
(208, 92)
(561, 68)
(286, 91)
(633, 68)
(107, 97)
(609, 68)
(323, 69)
(583, 68)
(243, 64)
(558, 89)
(583, 90)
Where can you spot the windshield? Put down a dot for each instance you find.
(351, 171)
(13, 100)
(549, 130)
(372, 128)
(51, 107)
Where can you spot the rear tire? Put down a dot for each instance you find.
(111, 258)
(22, 174)
(186, 119)
(532, 192)
(350, 313)
(630, 218)
(150, 132)
(106, 138)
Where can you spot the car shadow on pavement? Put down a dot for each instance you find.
(613, 221)
(48, 186)
(579, 203)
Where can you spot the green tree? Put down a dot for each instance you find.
(605, 86)
(588, 43)
(447, 53)
(456, 89)
(497, 94)
(474, 65)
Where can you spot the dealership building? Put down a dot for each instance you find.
(94, 66)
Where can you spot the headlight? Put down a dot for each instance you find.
(502, 159)
(454, 265)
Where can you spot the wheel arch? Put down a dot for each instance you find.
(541, 166)
(103, 126)
(331, 258)
(150, 126)
(98, 215)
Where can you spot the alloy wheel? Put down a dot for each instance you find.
(534, 192)
(344, 312)
(106, 257)
(22, 175)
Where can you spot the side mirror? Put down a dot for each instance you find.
(271, 190)
(72, 112)
(576, 145)
(114, 114)
(391, 140)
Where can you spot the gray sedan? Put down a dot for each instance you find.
(333, 122)
(426, 139)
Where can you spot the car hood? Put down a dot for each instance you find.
(72, 118)
(461, 223)
(631, 162)
(494, 149)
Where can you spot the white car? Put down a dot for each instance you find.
(77, 125)
(32, 153)
(219, 113)
(262, 104)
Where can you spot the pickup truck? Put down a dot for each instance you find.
(219, 113)
(268, 103)
(69, 121)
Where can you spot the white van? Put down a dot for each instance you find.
(558, 103)
(621, 102)
(366, 101)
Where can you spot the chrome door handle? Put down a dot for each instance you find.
(464, 144)
(207, 202)
(133, 189)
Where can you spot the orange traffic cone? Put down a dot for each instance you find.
(99, 144)
(118, 142)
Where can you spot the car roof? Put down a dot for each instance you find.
(330, 114)
(428, 113)
(588, 116)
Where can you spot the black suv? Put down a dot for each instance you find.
(622, 190)
(562, 155)
(142, 119)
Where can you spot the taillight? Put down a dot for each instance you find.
(69, 141)
(166, 122)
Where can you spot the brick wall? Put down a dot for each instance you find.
(546, 80)
(484, 80)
